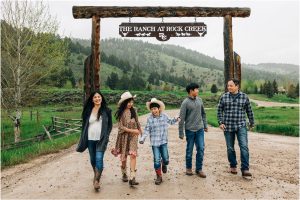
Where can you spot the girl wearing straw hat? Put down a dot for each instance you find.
(127, 140)
(157, 128)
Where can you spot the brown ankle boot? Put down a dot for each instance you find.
(97, 179)
(132, 180)
(124, 174)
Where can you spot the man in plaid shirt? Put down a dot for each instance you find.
(157, 127)
(232, 120)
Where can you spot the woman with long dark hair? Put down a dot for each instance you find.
(96, 128)
(127, 140)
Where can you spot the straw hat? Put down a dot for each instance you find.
(125, 96)
(154, 100)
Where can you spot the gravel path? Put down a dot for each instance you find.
(274, 163)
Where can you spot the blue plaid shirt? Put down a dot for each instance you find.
(157, 128)
(232, 109)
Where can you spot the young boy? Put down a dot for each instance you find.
(157, 128)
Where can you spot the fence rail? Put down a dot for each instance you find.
(58, 128)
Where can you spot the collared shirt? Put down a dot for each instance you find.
(157, 128)
(192, 115)
(232, 109)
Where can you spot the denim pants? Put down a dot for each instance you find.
(96, 157)
(160, 153)
(196, 138)
(242, 138)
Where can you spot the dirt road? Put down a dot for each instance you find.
(274, 164)
(273, 104)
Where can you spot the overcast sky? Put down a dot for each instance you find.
(270, 34)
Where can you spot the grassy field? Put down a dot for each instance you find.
(276, 120)
(276, 98)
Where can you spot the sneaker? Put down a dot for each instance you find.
(233, 170)
(246, 173)
(189, 172)
(164, 169)
(201, 174)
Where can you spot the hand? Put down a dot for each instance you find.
(206, 129)
(181, 137)
(223, 127)
(178, 119)
(141, 142)
(251, 127)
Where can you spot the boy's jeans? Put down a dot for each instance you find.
(160, 152)
(196, 138)
(242, 138)
(96, 157)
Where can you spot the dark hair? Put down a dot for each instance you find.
(121, 109)
(156, 105)
(235, 81)
(89, 104)
(191, 86)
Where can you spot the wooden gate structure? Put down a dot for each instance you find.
(232, 61)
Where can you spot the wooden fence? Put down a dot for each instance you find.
(59, 127)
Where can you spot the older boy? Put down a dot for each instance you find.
(193, 117)
(157, 128)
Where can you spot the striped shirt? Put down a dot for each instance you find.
(157, 128)
(232, 109)
(192, 115)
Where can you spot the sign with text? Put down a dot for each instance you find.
(163, 31)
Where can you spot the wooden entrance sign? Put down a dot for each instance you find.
(162, 31)
(98, 12)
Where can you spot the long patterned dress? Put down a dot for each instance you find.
(127, 143)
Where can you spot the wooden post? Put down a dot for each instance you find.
(237, 67)
(92, 62)
(228, 50)
(30, 115)
(47, 132)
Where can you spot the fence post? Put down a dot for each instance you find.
(37, 116)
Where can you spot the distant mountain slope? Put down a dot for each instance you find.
(179, 61)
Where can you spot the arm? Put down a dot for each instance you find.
(203, 113)
(249, 112)
(220, 113)
(109, 121)
(147, 130)
(171, 121)
(182, 117)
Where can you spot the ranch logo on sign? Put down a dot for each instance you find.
(162, 31)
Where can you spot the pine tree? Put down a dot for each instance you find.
(214, 88)
(269, 90)
(275, 87)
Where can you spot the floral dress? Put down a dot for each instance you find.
(127, 143)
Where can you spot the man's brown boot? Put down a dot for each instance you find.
(246, 173)
(233, 170)
(201, 174)
(189, 172)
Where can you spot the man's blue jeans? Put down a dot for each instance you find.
(96, 157)
(160, 153)
(196, 138)
(242, 138)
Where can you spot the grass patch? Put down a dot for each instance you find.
(276, 98)
(25, 154)
(275, 120)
